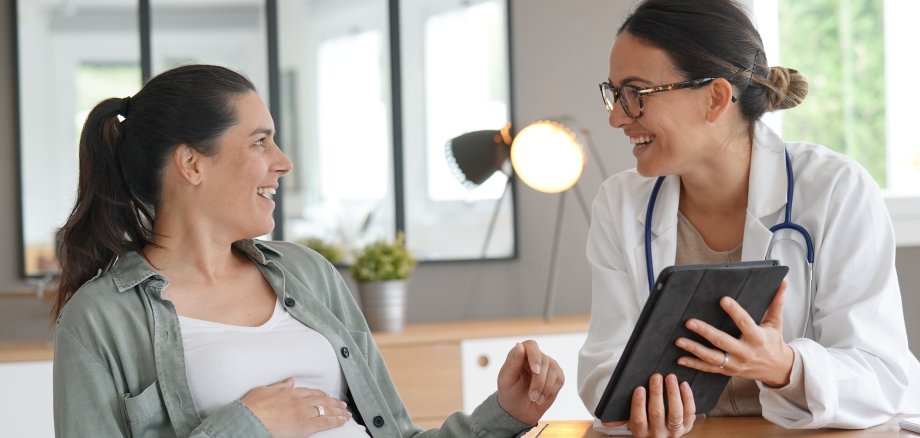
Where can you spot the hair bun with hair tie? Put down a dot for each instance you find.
(788, 88)
(125, 103)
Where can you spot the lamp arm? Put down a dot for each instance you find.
(550, 296)
(581, 202)
(593, 151)
(498, 205)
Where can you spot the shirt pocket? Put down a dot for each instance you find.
(146, 413)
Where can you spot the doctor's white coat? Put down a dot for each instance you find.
(858, 370)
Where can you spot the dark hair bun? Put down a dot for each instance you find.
(788, 88)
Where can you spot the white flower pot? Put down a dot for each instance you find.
(384, 304)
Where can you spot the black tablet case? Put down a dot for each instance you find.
(683, 292)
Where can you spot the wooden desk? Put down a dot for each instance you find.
(747, 427)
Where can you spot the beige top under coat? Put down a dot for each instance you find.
(742, 396)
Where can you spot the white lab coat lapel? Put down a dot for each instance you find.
(766, 192)
(766, 208)
(664, 232)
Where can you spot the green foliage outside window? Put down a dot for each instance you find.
(839, 46)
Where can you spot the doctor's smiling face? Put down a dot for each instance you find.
(669, 135)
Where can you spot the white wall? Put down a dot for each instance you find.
(28, 413)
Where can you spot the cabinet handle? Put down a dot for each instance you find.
(483, 361)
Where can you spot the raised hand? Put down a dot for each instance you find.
(528, 382)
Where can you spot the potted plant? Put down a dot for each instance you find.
(330, 251)
(382, 269)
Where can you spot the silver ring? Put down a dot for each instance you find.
(675, 426)
(320, 409)
(724, 360)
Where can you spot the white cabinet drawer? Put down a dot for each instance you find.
(483, 358)
(26, 399)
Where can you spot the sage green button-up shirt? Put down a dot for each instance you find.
(119, 366)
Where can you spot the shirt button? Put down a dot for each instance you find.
(378, 421)
(346, 353)
(289, 302)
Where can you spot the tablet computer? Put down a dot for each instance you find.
(683, 292)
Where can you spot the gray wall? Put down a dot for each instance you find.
(559, 55)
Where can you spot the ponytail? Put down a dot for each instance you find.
(105, 220)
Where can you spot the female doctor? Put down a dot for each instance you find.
(714, 184)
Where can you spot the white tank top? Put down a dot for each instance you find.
(225, 361)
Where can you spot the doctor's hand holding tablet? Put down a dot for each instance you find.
(714, 185)
(709, 348)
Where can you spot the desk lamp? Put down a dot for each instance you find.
(474, 157)
(549, 156)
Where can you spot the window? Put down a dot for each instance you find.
(860, 62)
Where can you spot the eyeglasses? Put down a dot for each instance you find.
(630, 96)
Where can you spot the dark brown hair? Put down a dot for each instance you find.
(715, 38)
(121, 163)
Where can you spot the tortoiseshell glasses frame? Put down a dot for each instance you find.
(630, 96)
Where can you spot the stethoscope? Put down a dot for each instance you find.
(786, 224)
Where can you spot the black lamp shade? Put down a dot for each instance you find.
(473, 157)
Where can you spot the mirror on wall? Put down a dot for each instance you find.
(455, 77)
(230, 34)
(71, 55)
(336, 114)
(336, 119)
(338, 122)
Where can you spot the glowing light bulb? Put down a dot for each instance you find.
(547, 156)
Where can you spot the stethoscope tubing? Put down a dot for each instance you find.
(787, 223)
(648, 232)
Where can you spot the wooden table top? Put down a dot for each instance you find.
(719, 427)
